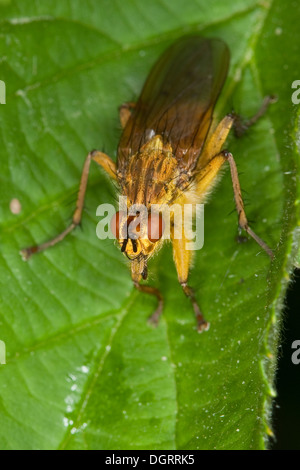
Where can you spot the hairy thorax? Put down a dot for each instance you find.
(152, 175)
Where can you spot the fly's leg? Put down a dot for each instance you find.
(240, 125)
(206, 175)
(182, 259)
(154, 319)
(110, 167)
(205, 180)
(212, 148)
(125, 111)
(202, 324)
(139, 271)
(243, 222)
(217, 137)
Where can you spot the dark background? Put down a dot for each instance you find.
(286, 412)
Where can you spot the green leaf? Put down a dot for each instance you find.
(83, 368)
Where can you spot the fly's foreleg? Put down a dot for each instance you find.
(182, 259)
(109, 166)
(139, 271)
(154, 319)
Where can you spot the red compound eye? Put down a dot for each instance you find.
(155, 227)
(116, 223)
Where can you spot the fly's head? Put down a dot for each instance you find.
(139, 237)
